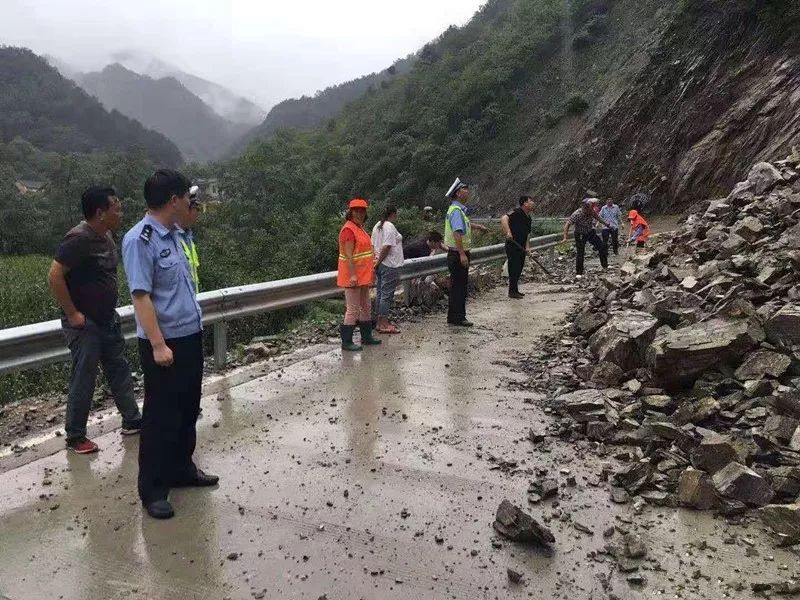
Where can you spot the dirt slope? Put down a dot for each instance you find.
(682, 101)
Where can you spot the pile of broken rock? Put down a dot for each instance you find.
(691, 356)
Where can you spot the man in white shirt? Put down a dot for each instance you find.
(388, 246)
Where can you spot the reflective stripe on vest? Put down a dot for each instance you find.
(190, 250)
(449, 238)
(363, 258)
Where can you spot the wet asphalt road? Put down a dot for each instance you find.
(369, 476)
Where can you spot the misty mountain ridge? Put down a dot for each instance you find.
(167, 106)
(223, 101)
(308, 112)
(51, 112)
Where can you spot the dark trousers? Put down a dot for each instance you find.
(581, 239)
(93, 345)
(516, 261)
(171, 407)
(459, 283)
(614, 235)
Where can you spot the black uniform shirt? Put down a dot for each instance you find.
(520, 224)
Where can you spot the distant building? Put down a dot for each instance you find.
(209, 188)
(29, 186)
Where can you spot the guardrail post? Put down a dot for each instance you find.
(220, 344)
(407, 292)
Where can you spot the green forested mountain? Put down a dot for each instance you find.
(54, 114)
(554, 97)
(311, 111)
(166, 106)
(549, 97)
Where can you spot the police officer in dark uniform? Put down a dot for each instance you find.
(169, 328)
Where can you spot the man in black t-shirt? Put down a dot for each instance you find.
(517, 227)
(83, 279)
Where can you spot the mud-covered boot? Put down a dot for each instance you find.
(346, 332)
(366, 334)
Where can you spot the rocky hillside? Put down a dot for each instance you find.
(691, 356)
(167, 106)
(678, 99)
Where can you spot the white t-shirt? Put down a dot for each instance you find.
(388, 236)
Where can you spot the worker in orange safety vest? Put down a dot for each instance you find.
(356, 275)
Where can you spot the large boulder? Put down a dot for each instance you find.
(677, 358)
(695, 489)
(714, 453)
(783, 519)
(749, 228)
(740, 483)
(763, 177)
(624, 339)
(732, 245)
(587, 323)
(785, 480)
(763, 363)
(784, 326)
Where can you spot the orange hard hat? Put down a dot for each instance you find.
(358, 203)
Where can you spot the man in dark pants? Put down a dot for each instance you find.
(583, 219)
(517, 227)
(83, 279)
(612, 215)
(169, 328)
(458, 239)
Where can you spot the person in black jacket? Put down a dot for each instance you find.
(517, 227)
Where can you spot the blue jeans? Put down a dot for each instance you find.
(386, 282)
(92, 346)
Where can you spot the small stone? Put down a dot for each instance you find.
(513, 576)
(519, 526)
(633, 545)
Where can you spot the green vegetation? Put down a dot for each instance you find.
(35, 222)
(24, 295)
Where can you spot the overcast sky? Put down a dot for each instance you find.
(266, 50)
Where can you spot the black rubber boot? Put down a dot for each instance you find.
(346, 332)
(366, 334)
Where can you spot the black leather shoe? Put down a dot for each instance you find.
(463, 323)
(160, 509)
(516, 295)
(200, 479)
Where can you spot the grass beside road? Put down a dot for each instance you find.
(24, 294)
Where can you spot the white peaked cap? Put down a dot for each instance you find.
(457, 185)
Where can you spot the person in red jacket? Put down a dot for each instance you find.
(640, 229)
(356, 274)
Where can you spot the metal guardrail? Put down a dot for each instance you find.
(40, 344)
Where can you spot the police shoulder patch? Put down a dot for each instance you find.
(165, 253)
(147, 233)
